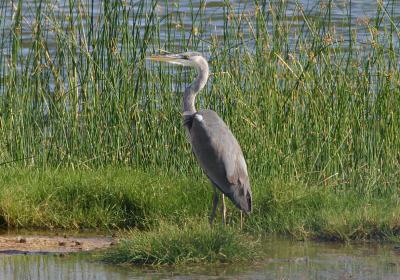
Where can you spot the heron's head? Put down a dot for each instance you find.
(192, 59)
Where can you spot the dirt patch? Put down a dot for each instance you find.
(28, 244)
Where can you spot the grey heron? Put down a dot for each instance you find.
(216, 149)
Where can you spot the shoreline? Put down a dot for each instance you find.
(27, 244)
(110, 199)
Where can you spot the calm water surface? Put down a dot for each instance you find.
(285, 260)
(186, 14)
(179, 21)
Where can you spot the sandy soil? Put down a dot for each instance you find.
(28, 244)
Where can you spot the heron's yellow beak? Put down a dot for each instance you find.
(164, 58)
(171, 58)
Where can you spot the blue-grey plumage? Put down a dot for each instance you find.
(217, 150)
(220, 156)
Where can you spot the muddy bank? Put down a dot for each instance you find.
(34, 244)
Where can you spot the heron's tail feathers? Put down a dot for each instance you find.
(242, 198)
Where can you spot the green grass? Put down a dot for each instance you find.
(103, 199)
(326, 213)
(123, 198)
(193, 243)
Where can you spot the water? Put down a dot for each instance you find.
(184, 25)
(285, 260)
(183, 17)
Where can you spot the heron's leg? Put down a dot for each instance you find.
(214, 208)
(241, 219)
(223, 210)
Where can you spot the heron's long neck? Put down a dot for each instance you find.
(194, 88)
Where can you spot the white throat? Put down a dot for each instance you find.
(197, 85)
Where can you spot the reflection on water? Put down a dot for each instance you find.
(285, 260)
(179, 21)
(53, 267)
(331, 261)
(205, 19)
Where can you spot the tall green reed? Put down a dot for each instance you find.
(308, 97)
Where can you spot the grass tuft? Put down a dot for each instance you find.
(193, 243)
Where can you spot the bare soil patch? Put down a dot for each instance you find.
(31, 244)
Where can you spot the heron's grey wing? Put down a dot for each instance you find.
(221, 157)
